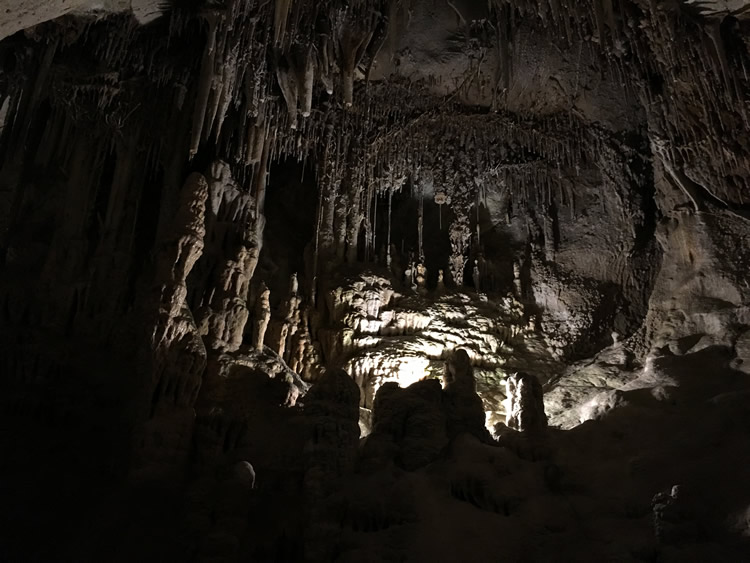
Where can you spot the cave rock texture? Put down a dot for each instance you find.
(374, 281)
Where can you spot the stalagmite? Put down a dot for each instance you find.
(291, 317)
(421, 278)
(440, 282)
(181, 250)
(233, 216)
(420, 226)
(459, 237)
(262, 317)
(517, 279)
(388, 242)
(464, 407)
(525, 403)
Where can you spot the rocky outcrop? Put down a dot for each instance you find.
(465, 411)
(382, 336)
(525, 403)
(234, 229)
(174, 356)
(409, 426)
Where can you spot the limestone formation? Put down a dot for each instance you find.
(440, 282)
(408, 426)
(290, 319)
(459, 237)
(476, 276)
(174, 355)
(232, 229)
(226, 232)
(465, 410)
(421, 278)
(262, 317)
(525, 411)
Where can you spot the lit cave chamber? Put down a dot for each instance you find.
(363, 281)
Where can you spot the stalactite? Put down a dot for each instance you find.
(287, 79)
(351, 46)
(306, 82)
(226, 88)
(204, 85)
(281, 16)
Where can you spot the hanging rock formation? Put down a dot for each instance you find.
(243, 242)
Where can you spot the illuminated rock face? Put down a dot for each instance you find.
(270, 272)
(175, 354)
(526, 403)
(381, 336)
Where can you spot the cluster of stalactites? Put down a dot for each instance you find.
(596, 20)
(701, 115)
(246, 62)
(692, 80)
(454, 157)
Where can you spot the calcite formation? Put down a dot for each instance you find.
(262, 317)
(465, 411)
(374, 280)
(174, 355)
(526, 403)
(233, 229)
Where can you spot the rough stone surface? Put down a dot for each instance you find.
(526, 403)
(241, 242)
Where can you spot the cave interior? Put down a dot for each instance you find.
(374, 281)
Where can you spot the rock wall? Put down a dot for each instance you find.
(503, 193)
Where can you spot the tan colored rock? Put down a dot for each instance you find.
(234, 227)
(291, 318)
(525, 411)
(262, 317)
(175, 355)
